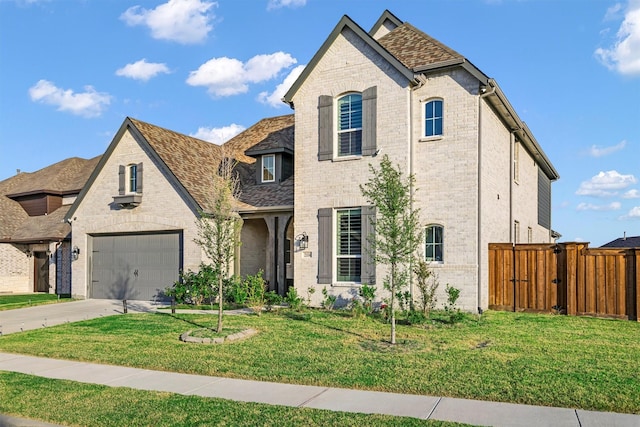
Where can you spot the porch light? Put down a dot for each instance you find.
(303, 240)
(75, 252)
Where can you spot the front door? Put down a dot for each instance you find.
(41, 272)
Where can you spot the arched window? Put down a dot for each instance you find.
(434, 243)
(433, 118)
(350, 125)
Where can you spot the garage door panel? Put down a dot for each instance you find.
(135, 267)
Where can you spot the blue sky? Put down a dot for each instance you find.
(72, 70)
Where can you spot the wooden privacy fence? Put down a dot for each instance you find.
(569, 278)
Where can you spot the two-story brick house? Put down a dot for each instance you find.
(481, 176)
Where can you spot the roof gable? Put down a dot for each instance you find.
(274, 133)
(386, 23)
(346, 22)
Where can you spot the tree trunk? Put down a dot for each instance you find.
(393, 308)
(220, 303)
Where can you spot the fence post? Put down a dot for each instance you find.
(571, 260)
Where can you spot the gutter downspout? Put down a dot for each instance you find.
(410, 166)
(479, 218)
(512, 150)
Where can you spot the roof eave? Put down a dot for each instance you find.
(520, 128)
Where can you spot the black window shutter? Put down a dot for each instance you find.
(325, 254)
(369, 109)
(139, 178)
(368, 272)
(325, 127)
(121, 179)
(544, 199)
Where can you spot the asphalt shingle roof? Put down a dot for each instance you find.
(414, 48)
(623, 242)
(194, 162)
(65, 177)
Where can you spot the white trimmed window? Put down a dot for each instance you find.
(433, 118)
(349, 125)
(268, 168)
(349, 245)
(434, 243)
(132, 178)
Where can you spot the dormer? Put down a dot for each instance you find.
(273, 165)
(274, 157)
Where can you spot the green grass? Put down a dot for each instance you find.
(562, 361)
(72, 403)
(11, 301)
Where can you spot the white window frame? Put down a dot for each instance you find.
(273, 167)
(424, 135)
(336, 243)
(131, 183)
(434, 244)
(338, 131)
(516, 161)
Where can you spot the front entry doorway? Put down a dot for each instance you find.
(41, 272)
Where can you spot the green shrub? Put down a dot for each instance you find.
(271, 298)
(292, 299)
(254, 287)
(195, 288)
(328, 301)
(427, 283)
(368, 294)
(235, 290)
(454, 313)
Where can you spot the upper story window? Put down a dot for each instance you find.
(350, 125)
(268, 168)
(133, 178)
(434, 243)
(347, 125)
(433, 118)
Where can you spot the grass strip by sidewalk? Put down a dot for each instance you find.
(547, 360)
(68, 402)
(13, 301)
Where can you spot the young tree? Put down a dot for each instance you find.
(219, 227)
(397, 226)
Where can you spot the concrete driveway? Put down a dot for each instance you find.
(42, 316)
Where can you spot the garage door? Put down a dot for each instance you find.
(135, 266)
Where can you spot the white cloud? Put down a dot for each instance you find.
(229, 76)
(274, 98)
(89, 103)
(142, 70)
(182, 21)
(634, 213)
(596, 151)
(218, 135)
(277, 4)
(605, 184)
(624, 55)
(613, 206)
(631, 194)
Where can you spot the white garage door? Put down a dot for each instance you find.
(135, 266)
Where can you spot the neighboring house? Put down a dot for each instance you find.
(134, 222)
(624, 242)
(481, 176)
(35, 251)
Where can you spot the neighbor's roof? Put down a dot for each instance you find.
(624, 242)
(66, 177)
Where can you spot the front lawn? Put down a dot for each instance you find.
(96, 405)
(11, 301)
(533, 359)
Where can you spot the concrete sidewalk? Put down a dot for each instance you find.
(334, 399)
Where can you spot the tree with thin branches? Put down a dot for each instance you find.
(397, 226)
(219, 227)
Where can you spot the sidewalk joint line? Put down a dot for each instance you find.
(577, 417)
(433, 409)
(302, 405)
